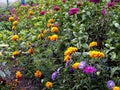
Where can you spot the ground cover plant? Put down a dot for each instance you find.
(61, 45)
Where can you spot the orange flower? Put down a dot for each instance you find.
(75, 65)
(44, 31)
(30, 51)
(66, 58)
(11, 18)
(116, 88)
(51, 20)
(15, 23)
(54, 29)
(18, 75)
(15, 53)
(54, 37)
(92, 44)
(40, 36)
(14, 37)
(49, 84)
(49, 25)
(13, 27)
(30, 12)
(38, 74)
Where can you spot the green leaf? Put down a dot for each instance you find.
(114, 70)
(2, 74)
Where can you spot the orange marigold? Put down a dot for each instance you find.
(49, 25)
(75, 65)
(38, 74)
(15, 23)
(18, 75)
(15, 53)
(66, 58)
(51, 20)
(54, 29)
(30, 12)
(30, 51)
(92, 44)
(13, 27)
(14, 37)
(116, 88)
(11, 18)
(49, 85)
(54, 37)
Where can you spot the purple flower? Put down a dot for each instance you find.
(42, 12)
(95, 1)
(104, 11)
(110, 84)
(56, 8)
(54, 75)
(89, 70)
(63, 0)
(71, 70)
(73, 11)
(110, 4)
(82, 65)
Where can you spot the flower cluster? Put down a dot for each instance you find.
(53, 37)
(92, 44)
(96, 54)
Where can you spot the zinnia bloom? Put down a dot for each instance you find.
(42, 12)
(54, 75)
(104, 11)
(18, 75)
(56, 8)
(89, 70)
(110, 84)
(49, 84)
(110, 4)
(73, 11)
(82, 65)
(38, 74)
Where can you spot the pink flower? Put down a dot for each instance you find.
(56, 8)
(63, 0)
(110, 4)
(104, 11)
(73, 11)
(89, 70)
(42, 12)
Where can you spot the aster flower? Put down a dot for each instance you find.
(110, 84)
(42, 12)
(110, 4)
(95, 1)
(73, 11)
(82, 65)
(89, 70)
(104, 11)
(56, 8)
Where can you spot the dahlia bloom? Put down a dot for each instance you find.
(56, 8)
(73, 11)
(110, 84)
(89, 70)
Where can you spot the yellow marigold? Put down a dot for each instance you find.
(54, 37)
(44, 31)
(11, 18)
(40, 36)
(116, 88)
(96, 54)
(75, 65)
(73, 49)
(15, 23)
(15, 53)
(49, 85)
(13, 27)
(18, 75)
(30, 12)
(102, 55)
(51, 20)
(49, 25)
(30, 51)
(14, 37)
(38, 74)
(92, 44)
(54, 29)
(66, 58)
(67, 52)
(48, 38)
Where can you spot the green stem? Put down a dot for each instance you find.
(89, 82)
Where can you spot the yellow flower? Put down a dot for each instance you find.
(38, 74)
(13, 27)
(51, 20)
(15, 23)
(92, 44)
(54, 37)
(54, 29)
(49, 25)
(66, 58)
(96, 54)
(75, 65)
(70, 50)
(49, 84)
(18, 75)
(67, 52)
(40, 36)
(116, 88)
(14, 37)
(44, 31)
(30, 51)
(0, 53)
(11, 18)
(30, 12)
(15, 53)
(102, 55)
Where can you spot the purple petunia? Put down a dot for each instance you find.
(95, 1)
(42, 12)
(110, 84)
(73, 11)
(110, 4)
(104, 11)
(89, 70)
(82, 65)
(54, 75)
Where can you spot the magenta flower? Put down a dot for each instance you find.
(73, 11)
(95, 1)
(110, 4)
(56, 8)
(104, 11)
(89, 70)
(63, 0)
(82, 65)
(54, 75)
(42, 12)
(110, 84)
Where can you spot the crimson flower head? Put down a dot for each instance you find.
(110, 4)
(63, 0)
(42, 12)
(56, 8)
(95, 1)
(73, 11)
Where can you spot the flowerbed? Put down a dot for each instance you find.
(62, 45)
